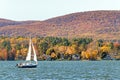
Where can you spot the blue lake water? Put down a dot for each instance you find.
(62, 70)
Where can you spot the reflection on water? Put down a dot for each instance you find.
(62, 70)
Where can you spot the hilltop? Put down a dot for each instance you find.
(95, 24)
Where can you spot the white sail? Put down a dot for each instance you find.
(28, 58)
(35, 57)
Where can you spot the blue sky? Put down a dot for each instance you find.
(44, 9)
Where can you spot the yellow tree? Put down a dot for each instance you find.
(18, 53)
(53, 55)
(105, 49)
(23, 52)
(83, 55)
(70, 50)
(62, 49)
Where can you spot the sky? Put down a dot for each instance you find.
(44, 9)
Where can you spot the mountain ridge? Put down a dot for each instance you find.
(95, 24)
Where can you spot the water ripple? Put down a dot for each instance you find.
(62, 70)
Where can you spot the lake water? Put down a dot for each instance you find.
(62, 70)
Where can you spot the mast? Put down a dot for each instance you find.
(28, 58)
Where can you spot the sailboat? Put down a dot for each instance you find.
(29, 63)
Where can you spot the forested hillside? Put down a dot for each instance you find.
(92, 24)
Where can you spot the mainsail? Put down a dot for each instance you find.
(28, 58)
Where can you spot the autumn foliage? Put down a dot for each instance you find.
(92, 24)
(56, 48)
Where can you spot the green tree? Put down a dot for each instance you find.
(6, 44)
(65, 42)
(43, 46)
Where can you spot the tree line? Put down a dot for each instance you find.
(57, 48)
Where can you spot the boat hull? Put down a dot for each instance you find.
(33, 66)
(26, 66)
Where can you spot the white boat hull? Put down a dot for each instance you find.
(26, 65)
